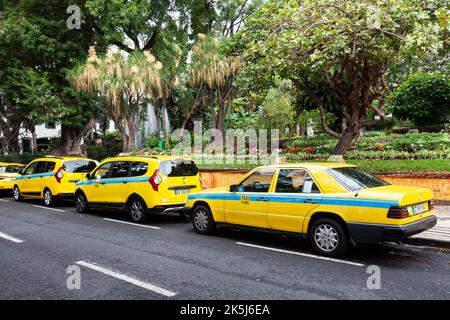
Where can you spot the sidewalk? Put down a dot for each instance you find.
(441, 231)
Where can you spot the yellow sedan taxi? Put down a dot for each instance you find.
(51, 178)
(333, 205)
(139, 185)
(8, 171)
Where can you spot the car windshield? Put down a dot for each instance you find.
(78, 166)
(178, 168)
(356, 179)
(10, 169)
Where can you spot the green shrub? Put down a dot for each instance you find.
(21, 158)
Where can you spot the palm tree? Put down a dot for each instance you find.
(127, 82)
(215, 74)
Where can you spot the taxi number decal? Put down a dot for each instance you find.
(245, 200)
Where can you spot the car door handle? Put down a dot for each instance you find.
(310, 201)
(102, 183)
(124, 182)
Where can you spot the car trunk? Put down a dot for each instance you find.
(179, 178)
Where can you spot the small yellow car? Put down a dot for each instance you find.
(139, 185)
(333, 205)
(51, 178)
(8, 171)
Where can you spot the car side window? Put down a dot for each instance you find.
(50, 166)
(103, 171)
(258, 181)
(120, 169)
(138, 169)
(31, 169)
(41, 167)
(295, 181)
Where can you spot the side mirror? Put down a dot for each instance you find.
(98, 177)
(20, 172)
(234, 188)
(88, 176)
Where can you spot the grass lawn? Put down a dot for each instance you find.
(428, 165)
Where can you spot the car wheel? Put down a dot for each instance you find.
(49, 200)
(328, 237)
(81, 203)
(16, 193)
(138, 210)
(202, 220)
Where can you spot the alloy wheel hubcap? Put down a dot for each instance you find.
(16, 193)
(136, 210)
(326, 237)
(80, 203)
(201, 220)
(47, 197)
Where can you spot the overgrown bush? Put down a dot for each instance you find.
(21, 158)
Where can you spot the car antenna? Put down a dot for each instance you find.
(360, 187)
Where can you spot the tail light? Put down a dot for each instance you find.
(59, 175)
(398, 212)
(155, 180)
(431, 205)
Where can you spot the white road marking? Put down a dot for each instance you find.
(4, 200)
(10, 238)
(132, 224)
(301, 254)
(53, 209)
(126, 278)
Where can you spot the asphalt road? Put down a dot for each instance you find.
(165, 259)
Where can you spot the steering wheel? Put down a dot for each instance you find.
(257, 185)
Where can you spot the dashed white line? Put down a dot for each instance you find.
(10, 238)
(53, 209)
(128, 279)
(301, 254)
(132, 224)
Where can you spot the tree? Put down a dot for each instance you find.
(126, 83)
(423, 98)
(214, 73)
(346, 45)
(36, 50)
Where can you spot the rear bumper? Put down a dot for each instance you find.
(372, 233)
(166, 208)
(64, 196)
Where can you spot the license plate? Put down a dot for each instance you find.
(181, 191)
(418, 208)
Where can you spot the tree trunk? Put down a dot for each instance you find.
(350, 133)
(70, 143)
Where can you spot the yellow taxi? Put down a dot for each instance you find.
(333, 205)
(139, 185)
(51, 178)
(8, 171)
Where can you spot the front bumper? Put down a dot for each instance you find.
(372, 233)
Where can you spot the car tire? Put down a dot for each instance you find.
(202, 220)
(328, 237)
(16, 194)
(81, 203)
(138, 210)
(49, 199)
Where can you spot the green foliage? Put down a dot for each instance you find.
(23, 158)
(423, 98)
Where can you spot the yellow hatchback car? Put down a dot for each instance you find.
(139, 185)
(8, 171)
(51, 178)
(333, 205)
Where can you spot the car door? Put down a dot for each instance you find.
(95, 190)
(248, 205)
(46, 177)
(296, 194)
(118, 184)
(27, 178)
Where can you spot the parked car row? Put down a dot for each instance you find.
(333, 205)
